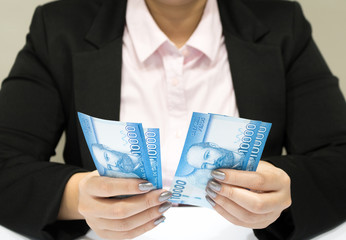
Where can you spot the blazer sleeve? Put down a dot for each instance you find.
(315, 141)
(31, 123)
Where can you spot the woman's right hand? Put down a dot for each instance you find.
(120, 218)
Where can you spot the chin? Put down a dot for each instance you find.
(174, 2)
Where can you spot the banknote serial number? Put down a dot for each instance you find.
(86, 125)
(198, 125)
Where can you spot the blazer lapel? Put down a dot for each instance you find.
(256, 66)
(97, 73)
(97, 81)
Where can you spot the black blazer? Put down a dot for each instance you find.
(72, 62)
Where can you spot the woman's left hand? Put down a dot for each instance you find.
(250, 199)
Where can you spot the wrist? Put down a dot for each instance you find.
(69, 202)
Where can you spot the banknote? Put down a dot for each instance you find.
(152, 139)
(118, 148)
(252, 160)
(123, 149)
(213, 141)
(258, 146)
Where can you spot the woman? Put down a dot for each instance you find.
(157, 61)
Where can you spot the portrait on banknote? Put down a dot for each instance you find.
(114, 163)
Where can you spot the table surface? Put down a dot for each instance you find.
(185, 223)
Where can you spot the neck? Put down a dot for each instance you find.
(178, 19)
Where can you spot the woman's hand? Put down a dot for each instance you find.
(250, 199)
(120, 218)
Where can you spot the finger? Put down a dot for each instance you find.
(237, 211)
(259, 181)
(101, 186)
(231, 218)
(108, 234)
(133, 222)
(255, 202)
(126, 207)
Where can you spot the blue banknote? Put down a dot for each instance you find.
(118, 148)
(152, 139)
(258, 146)
(214, 141)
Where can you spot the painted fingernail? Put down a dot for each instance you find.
(214, 185)
(165, 196)
(159, 220)
(211, 193)
(165, 206)
(218, 174)
(211, 201)
(146, 186)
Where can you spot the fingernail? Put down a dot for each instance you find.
(212, 203)
(214, 185)
(218, 174)
(146, 186)
(159, 220)
(211, 193)
(165, 206)
(165, 196)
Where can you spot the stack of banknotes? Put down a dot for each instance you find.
(127, 150)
